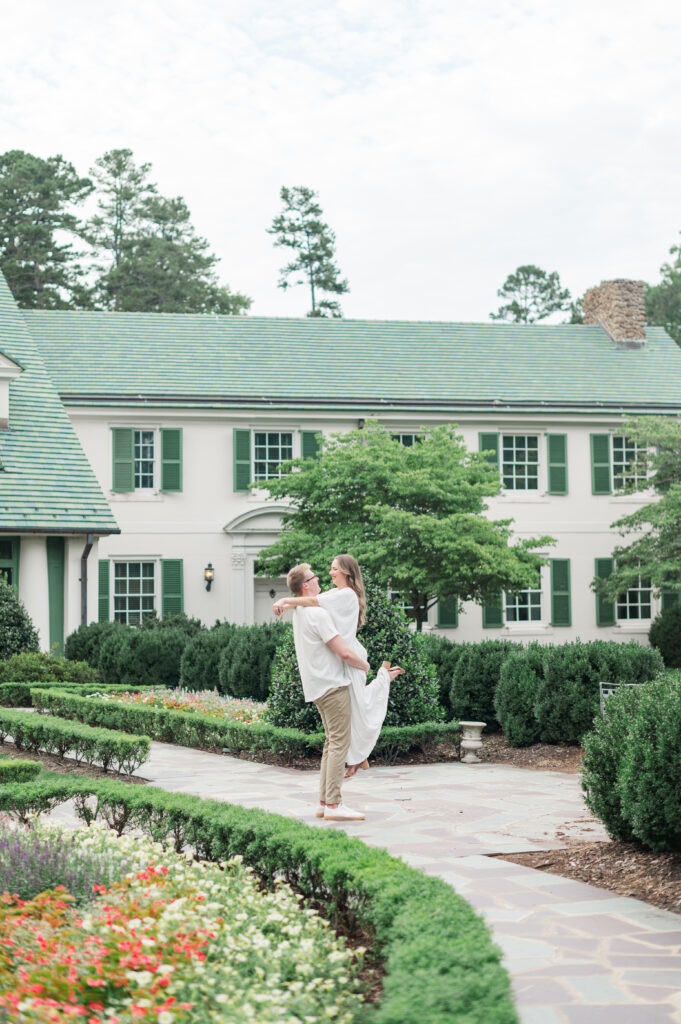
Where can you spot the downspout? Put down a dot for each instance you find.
(83, 578)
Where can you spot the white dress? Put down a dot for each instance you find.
(368, 703)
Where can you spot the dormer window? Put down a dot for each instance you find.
(8, 371)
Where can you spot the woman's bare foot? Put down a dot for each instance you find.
(393, 670)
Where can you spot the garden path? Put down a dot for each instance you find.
(576, 954)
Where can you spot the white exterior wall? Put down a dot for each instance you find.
(209, 522)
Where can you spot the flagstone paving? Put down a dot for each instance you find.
(576, 954)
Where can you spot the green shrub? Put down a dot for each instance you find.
(143, 656)
(605, 748)
(190, 627)
(445, 656)
(387, 637)
(516, 694)
(649, 775)
(665, 636)
(475, 681)
(568, 694)
(34, 667)
(85, 643)
(245, 664)
(17, 632)
(18, 770)
(201, 657)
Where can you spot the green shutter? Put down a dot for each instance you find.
(489, 443)
(123, 459)
(9, 560)
(242, 459)
(448, 612)
(556, 447)
(601, 476)
(492, 615)
(104, 571)
(171, 459)
(172, 589)
(670, 599)
(561, 614)
(55, 591)
(605, 610)
(309, 444)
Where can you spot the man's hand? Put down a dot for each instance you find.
(279, 607)
(339, 647)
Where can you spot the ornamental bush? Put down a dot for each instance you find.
(17, 632)
(199, 668)
(85, 643)
(516, 694)
(445, 656)
(665, 635)
(37, 667)
(143, 656)
(245, 664)
(476, 678)
(387, 637)
(190, 627)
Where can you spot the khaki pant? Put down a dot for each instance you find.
(334, 707)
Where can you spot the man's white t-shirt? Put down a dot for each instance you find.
(320, 668)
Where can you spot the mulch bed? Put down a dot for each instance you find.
(540, 756)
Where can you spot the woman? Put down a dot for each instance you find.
(346, 604)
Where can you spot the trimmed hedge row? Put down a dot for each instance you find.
(18, 770)
(18, 694)
(194, 730)
(441, 963)
(104, 747)
(632, 764)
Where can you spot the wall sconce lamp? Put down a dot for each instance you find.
(209, 575)
(360, 424)
(273, 594)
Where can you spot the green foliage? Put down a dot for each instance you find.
(147, 656)
(150, 257)
(649, 774)
(654, 552)
(444, 656)
(387, 637)
(531, 294)
(663, 300)
(245, 665)
(201, 657)
(412, 516)
(568, 694)
(84, 644)
(299, 227)
(605, 748)
(516, 695)
(18, 770)
(475, 681)
(18, 695)
(37, 225)
(34, 666)
(187, 626)
(104, 747)
(17, 632)
(665, 636)
(432, 941)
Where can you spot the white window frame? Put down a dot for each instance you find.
(156, 462)
(516, 599)
(142, 560)
(295, 450)
(400, 435)
(639, 450)
(633, 598)
(518, 491)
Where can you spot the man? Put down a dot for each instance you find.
(322, 655)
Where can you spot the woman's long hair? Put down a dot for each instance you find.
(349, 566)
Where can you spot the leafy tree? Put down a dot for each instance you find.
(413, 516)
(299, 227)
(37, 219)
(531, 294)
(150, 258)
(654, 552)
(663, 300)
(17, 632)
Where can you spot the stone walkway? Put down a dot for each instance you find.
(576, 954)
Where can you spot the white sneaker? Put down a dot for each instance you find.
(342, 813)
(319, 813)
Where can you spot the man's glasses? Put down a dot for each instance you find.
(310, 578)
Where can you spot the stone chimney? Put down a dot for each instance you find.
(619, 307)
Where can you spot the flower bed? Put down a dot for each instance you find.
(203, 702)
(174, 940)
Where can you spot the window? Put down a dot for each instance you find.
(524, 607)
(134, 591)
(636, 603)
(408, 440)
(270, 450)
(627, 468)
(144, 458)
(9, 560)
(404, 602)
(520, 462)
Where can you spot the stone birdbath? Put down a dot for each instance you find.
(471, 740)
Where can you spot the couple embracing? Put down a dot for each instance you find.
(333, 670)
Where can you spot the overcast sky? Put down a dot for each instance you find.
(449, 142)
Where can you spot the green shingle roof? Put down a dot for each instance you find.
(46, 482)
(134, 358)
